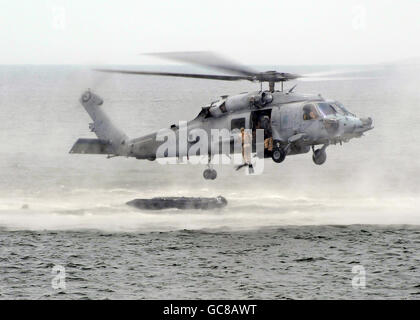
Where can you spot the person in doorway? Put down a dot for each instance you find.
(268, 144)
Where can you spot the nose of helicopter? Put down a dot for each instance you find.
(352, 125)
(366, 124)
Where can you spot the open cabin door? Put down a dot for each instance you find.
(261, 119)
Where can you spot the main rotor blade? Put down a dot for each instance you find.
(207, 59)
(339, 74)
(175, 74)
(315, 79)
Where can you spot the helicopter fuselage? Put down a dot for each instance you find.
(292, 123)
(285, 113)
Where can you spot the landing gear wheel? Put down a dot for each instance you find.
(319, 157)
(278, 154)
(213, 174)
(210, 174)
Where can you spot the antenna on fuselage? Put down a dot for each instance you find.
(292, 88)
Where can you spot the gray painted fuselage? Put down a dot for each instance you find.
(285, 111)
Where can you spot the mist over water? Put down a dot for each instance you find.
(49, 197)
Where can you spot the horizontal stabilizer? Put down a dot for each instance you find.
(92, 146)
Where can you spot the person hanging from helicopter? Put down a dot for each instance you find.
(246, 140)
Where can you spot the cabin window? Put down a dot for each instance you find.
(310, 112)
(237, 123)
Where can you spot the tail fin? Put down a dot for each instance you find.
(102, 125)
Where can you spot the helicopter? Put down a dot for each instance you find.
(292, 123)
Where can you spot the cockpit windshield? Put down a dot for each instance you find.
(326, 108)
(338, 109)
(340, 106)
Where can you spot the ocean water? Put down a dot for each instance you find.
(298, 231)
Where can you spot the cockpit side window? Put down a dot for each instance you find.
(310, 112)
(338, 109)
(326, 108)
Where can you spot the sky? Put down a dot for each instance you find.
(253, 32)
